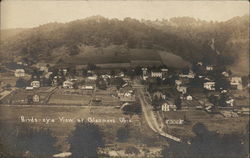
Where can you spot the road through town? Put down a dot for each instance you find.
(155, 124)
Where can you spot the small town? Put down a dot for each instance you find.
(168, 98)
(124, 79)
(203, 87)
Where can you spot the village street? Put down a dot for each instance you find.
(155, 123)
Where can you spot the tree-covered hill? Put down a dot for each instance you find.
(192, 39)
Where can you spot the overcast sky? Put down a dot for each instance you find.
(23, 14)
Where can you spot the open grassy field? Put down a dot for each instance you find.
(20, 96)
(61, 129)
(214, 122)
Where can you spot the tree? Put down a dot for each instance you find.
(24, 141)
(131, 109)
(21, 83)
(122, 134)
(178, 103)
(85, 140)
(208, 144)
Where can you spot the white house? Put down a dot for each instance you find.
(182, 89)
(19, 73)
(236, 82)
(209, 68)
(87, 87)
(93, 77)
(29, 88)
(230, 102)
(68, 84)
(156, 74)
(178, 82)
(144, 73)
(199, 63)
(35, 84)
(224, 73)
(209, 86)
(189, 97)
(168, 107)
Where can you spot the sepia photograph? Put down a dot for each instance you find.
(124, 79)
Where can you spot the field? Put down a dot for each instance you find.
(214, 122)
(20, 96)
(62, 129)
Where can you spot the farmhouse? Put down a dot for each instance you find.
(156, 74)
(189, 97)
(167, 106)
(35, 84)
(178, 82)
(182, 89)
(209, 68)
(68, 84)
(209, 85)
(230, 102)
(144, 73)
(92, 78)
(19, 73)
(29, 88)
(224, 73)
(236, 82)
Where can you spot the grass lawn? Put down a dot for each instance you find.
(214, 122)
(62, 129)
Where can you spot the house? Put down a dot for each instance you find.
(36, 98)
(199, 63)
(144, 73)
(19, 73)
(182, 89)
(209, 86)
(87, 87)
(236, 82)
(189, 97)
(229, 114)
(167, 106)
(230, 102)
(35, 84)
(178, 82)
(209, 68)
(224, 73)
(29, 88)
(68, 84)
(64, 71)
(189, 75)
(92, 78)
(125, 90)
(164, 72)
(156, 74)
(121, 74)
